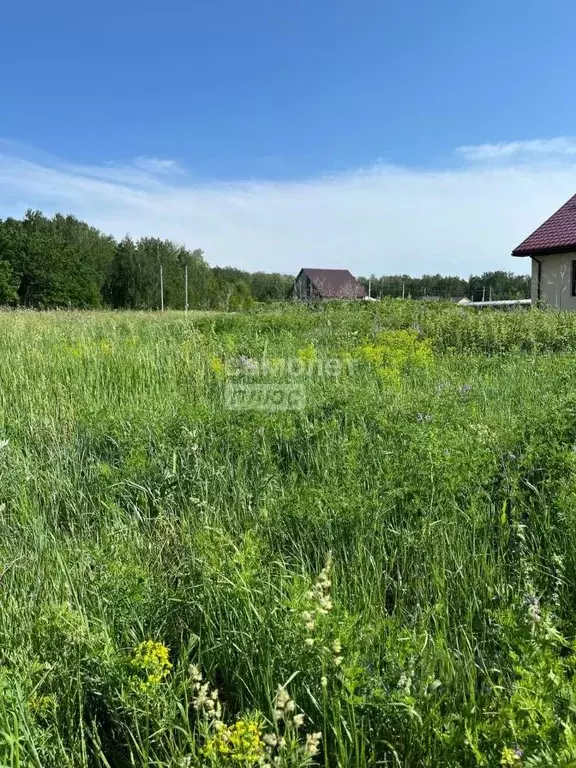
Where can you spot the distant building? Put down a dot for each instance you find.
(311, 284)
(500, 304)
(552, 248)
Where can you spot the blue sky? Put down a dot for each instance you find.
(382, 136)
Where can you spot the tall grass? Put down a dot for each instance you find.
(434, 469)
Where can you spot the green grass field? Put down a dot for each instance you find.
(383, 576)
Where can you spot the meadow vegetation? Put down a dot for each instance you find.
(384, 576)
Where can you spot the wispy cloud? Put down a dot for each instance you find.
(384, 219)
(533, 149)
(158, 165)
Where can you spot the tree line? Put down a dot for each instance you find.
(497, 285)
(64, 262)
(61, 261)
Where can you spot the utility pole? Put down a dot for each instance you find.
(161, 289)
(490, 294)
(403, 288)
(483, 293)
(186, 287)
(369, 288)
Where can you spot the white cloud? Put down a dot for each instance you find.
(385, 219)
(543, 148)
(157, 165)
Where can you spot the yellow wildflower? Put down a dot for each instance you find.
(151, 662)
(511, 758)
(218, 367)
(42, 705)
(308, 354)
(239, 744)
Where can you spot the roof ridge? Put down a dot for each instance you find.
(334, 283)
(556, 235)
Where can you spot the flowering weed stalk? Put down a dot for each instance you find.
(151, 665)
(249, 740)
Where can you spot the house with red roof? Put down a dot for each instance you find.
(552, 249)
(313, 284)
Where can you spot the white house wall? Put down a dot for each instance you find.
(555, 281)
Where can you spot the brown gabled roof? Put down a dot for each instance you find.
(556, 235)
(335, 283)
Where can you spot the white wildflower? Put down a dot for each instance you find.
(405, 683)
(298, 720)
(325, 604)
(206, 701)
(534, 608)
(282, 697)
(313, 743)
(201, 696)
(281, 702)
(324, 581)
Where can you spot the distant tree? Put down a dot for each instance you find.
(231, 289)
(499, 285)
(85, 256)
(121, 286)
(199, 278)
(8, 284)
(270, 286)
(56, 262)
(134, 279)
(13, 248)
